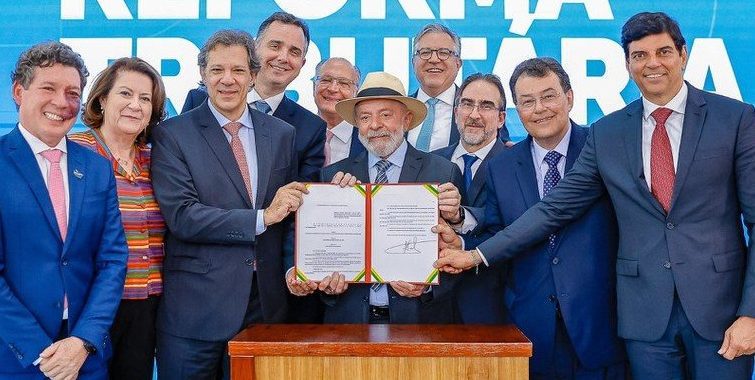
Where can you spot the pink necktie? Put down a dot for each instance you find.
(328, 137)
(238, 152)
(56, 189)
(662, 174)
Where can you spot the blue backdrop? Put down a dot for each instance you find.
(376, 34)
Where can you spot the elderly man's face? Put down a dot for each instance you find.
(382, 123)
(336, 82)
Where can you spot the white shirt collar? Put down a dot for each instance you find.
(562, 147)
(273, 101)
(445, 96)
(37, 146)
(480, 153)
(677, 104)
(342, 131)
(245, 119)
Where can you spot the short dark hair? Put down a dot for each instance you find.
(230, 37)
(93, 115)
(47, 54)
(645, 24)
(490, 78)
(285, 18)
(539, 68)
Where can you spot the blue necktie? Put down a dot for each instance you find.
(382, 167)
(552, 176)
(262, 106)
(426, 132)
(469, 160)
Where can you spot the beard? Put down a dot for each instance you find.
(471, 138)
(382, 149)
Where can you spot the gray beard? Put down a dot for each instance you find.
(382, 150)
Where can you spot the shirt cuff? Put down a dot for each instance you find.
(484, 260)
(260, 222)
(287, 273)
(36, 362)
(469, 222)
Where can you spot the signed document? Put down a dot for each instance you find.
(369, 233)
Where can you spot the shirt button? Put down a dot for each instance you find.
(670, 226)
(555, 261)
(667, 265)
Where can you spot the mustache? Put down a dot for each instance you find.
(378, 133)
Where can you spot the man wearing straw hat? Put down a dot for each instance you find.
(383, 114)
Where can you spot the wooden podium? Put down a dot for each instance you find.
(379, 352)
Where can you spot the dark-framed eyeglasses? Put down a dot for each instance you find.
(442, 53)
(483, 108)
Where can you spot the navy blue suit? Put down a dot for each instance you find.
(479, 294)
(696, 254)
(310, 132)
(356, 145)
(434, 307)
(578, 274)
(211, 244)
(37, 267)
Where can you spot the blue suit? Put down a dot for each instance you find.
(310, 132)
(579, 272)
(434, 307)
(479, 294)
(37, 268)
(356, 145)
(697, 253)
(211, 244)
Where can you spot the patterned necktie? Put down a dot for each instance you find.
(426, 132)
(262, 106)
(238, 152)
(552, 176)
(58, 198)
(469, 160)
(382, 167)
(662, 174)
(328, 137)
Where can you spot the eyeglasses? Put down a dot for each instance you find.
(442, 53)
(547, 100)
(483, 108)
(343, 83)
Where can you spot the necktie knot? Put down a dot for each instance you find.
(469, 160)
(328, 135)
(432, 102)
(262, 106)
(232, 128)
(52, 155)
(552, 158)
(382, 167)
(661, 114)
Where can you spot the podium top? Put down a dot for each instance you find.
(381, 341)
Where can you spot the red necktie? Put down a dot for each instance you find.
(238, 152)
(662, 174)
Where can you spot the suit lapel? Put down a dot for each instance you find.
(633, 146)
(213, 134)
(454, 136)
(22, 156)
(358, 167)
(285, 110)
(525, 173)
(478, 181)
(694, 117)
(77, 170)
(263, 143)
(412, 165)
(356, 145)
(576, 141)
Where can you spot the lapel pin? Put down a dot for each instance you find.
(78, 174)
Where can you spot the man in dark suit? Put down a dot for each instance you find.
(62, 248)
(561, 292)
(480, 113)
(282, 42)
(337, 79)
(383, 113)
(677, 165)
(222, 175)
(436, 61)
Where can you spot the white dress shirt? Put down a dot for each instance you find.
(443, 115)
(37, 146)
(469, 220)
(273, 101)
(674, 123)
(340, 144)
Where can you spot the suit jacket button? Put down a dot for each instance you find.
(555, 261)
(65, 262)
(667, 265)
(670, 226)
(249, 261)
(552, 298)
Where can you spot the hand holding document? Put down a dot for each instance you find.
(368, 233)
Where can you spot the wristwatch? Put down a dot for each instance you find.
(91, 349)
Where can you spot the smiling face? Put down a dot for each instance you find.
(331, 88)
(49, 106)
(127, 107)
(657, 67)
(479, 125)
(435, 75)
(543, 108)
(228, 79)
(381, 124)
(281, 49)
